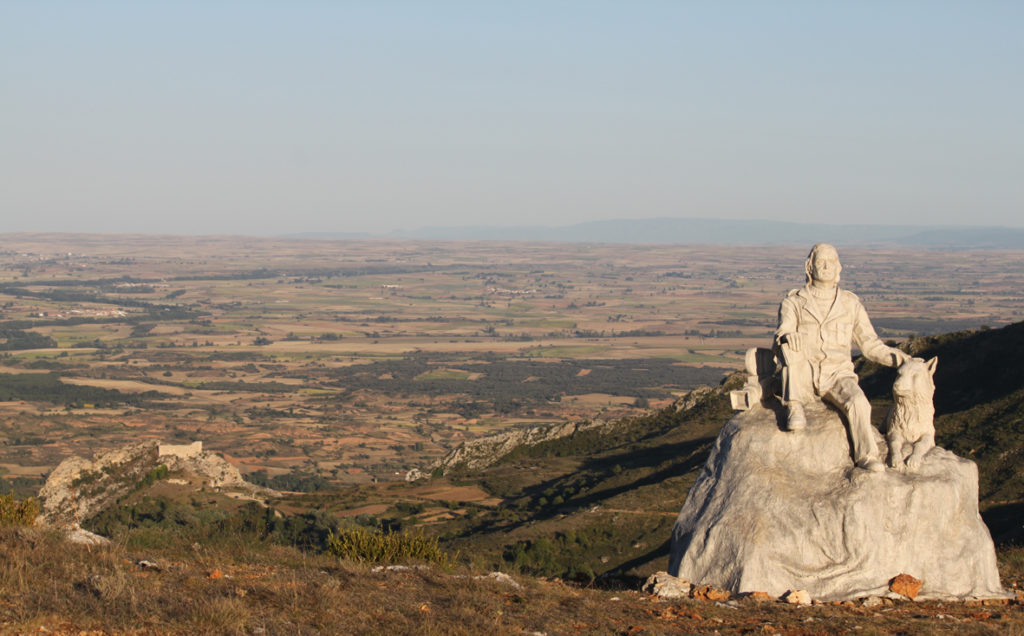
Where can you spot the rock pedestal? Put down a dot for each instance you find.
(774, 511)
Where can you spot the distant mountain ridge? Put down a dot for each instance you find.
(702, 231)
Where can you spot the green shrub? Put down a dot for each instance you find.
(18, 513)
(374, 546)
(153, 476)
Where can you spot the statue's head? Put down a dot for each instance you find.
(822, 264)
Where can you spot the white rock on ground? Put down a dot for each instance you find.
(797, 597)
(500, 577)
(664, 585)
(84, 537)
(774, 511)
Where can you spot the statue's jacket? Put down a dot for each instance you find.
(824, 356)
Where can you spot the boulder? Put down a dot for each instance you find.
(709, 593)
(760, 597)
(84, 537)
(665, 585)
(906, 585)
(797, 597)
(774, 511)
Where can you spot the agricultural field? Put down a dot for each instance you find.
(309, 363)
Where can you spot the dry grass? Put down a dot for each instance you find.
(243, 588)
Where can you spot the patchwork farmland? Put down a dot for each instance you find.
(316, 362)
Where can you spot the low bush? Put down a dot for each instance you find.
(374, 546)
(18, 513)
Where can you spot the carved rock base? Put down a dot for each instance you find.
(774, 511)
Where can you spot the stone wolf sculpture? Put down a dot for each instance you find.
(910, 430)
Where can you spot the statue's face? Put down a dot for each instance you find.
(825, 267)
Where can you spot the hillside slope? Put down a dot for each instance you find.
(602, 502)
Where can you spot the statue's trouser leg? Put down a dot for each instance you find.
(797, 386)
(847, 395)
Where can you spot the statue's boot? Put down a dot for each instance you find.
(795, 418)
(871, 464)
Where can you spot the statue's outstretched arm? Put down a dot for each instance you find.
(871, 345)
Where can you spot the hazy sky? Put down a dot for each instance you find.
(273, 117)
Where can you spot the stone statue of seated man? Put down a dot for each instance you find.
(817, 324)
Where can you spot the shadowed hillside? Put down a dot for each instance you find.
(603, 503)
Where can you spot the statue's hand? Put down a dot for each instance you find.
(898, 357)
(793, 340)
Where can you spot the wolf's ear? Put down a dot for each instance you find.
(931, 364)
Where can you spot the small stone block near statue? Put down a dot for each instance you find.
(801, 492)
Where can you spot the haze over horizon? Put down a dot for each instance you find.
(269, 118)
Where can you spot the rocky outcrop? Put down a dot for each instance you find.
(774, 511)
(213, 469)
(79, 488)
(695, 397)
(480, 453)
(415, 474)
